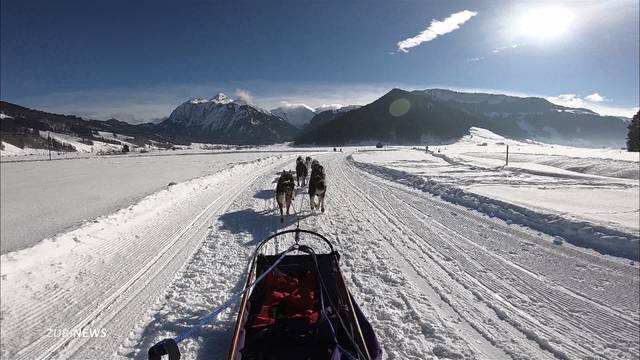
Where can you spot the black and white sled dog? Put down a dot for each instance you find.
(284, 192)
(317, 186)
(301, 171)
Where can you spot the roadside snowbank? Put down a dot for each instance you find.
(109, 226)
(581, 233)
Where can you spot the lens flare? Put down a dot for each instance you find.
(399, 107)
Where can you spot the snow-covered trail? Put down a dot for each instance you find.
(436, 280)
(105, 275)
(525, 295)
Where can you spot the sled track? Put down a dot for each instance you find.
(155, 271)
(451, 277)
(491, 347)
(466, 257)
(583, 293)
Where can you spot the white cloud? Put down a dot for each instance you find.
(495, 51)
(592, 102)
(244, 95)
(325, 107)
(595, 97)
(290, 105)
(570, 100)
(437, 28)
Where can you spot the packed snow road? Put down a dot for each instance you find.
(435, 279)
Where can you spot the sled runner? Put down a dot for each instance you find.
(295, 305)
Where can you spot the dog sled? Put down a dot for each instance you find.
(295, 305)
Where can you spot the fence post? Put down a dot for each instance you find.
(507, 162)
(49, 144)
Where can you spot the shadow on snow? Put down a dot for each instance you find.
(214, 342)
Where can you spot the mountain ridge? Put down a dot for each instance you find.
(516, 117)
(431, 115)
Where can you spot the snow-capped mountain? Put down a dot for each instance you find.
(223, 120)
(297, 115)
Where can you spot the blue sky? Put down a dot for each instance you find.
(137, 60)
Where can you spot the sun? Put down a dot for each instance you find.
(546, 23)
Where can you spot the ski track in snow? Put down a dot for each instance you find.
(436, 280)
(102, 274)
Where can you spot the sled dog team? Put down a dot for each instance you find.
(317, 185)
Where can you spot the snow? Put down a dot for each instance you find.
(109, 135)
(70, 193)
(98, 146)
(436, 278)
(594, 185)
(14, 153)
(5, 116)
(593, 193)
(211, 114)
(295, 114)
(12, 150)
(220, 98)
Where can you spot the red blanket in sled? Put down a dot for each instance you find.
(287, 297)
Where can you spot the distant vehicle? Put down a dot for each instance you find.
(379, 145)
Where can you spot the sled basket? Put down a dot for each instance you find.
(328, 325)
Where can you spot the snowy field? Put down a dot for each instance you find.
(438, 279)
(41, 199)
(588, 187)
(11, 153)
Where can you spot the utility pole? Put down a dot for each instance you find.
(507, 163)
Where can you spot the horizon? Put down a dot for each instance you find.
(314, 53)
(250, 101)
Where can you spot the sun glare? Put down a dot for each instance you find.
(546, 23)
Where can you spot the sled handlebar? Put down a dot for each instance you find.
(297, 231)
